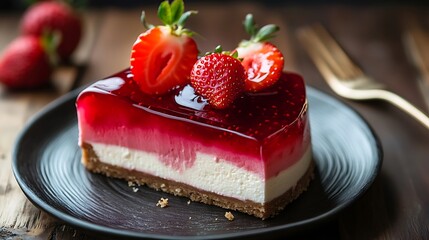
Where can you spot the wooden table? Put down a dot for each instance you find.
(395, 207)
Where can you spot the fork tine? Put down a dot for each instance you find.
(338, 60)
(321, 58)
(323, 66)
(337, 52)
(318, 51)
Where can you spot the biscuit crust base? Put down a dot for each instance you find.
(92, 162)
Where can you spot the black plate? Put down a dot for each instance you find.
(46, 164)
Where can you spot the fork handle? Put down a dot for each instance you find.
(405, 106)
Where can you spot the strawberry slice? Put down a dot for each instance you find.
(163, 56)
(262, 60)
(218, 77)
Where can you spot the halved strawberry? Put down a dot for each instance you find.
(262, 60)
(218, 77)
(163, 56)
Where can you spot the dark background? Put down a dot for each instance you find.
(12, 5)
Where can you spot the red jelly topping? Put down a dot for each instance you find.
(264, 132)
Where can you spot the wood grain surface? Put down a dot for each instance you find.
(395, 207)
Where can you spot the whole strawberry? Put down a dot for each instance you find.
(163, 56)
(25, 63)
(219, 78)
(54, 17)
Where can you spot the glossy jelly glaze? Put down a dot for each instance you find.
(264, 132)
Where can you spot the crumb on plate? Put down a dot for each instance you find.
(163, 202)
(229, 216)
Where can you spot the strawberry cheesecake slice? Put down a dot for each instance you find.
(254, 157)
(229, 128)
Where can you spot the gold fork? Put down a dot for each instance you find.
(344, 76)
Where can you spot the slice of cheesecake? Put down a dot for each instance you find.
(254, 157)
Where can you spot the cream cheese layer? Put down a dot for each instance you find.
(208, 172)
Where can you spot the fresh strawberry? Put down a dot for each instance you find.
(219, 78)
(163, 56)
(54, 17)
(25, 63)
(262, 60)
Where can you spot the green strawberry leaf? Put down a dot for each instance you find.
(249, 25)
(234, 54)
(184, 17)
(177, 9)
(164, 13)
(143, 21)
(218, 49)
(266, 33)
(50, 41)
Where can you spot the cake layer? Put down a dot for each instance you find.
(208, 172)
(263, 132)
(296, 178)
